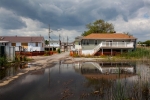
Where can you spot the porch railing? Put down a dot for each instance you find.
(118, 44)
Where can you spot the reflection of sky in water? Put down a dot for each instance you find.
(49, 83)
(30, 78)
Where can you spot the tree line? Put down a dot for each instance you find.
(145, 43)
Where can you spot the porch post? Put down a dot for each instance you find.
(13, 51)
(121, 51)
(102, 51)
(9, 53)
(111, 52)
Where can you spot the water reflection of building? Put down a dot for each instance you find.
(105, 70)
(7, 72)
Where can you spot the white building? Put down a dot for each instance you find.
(25, 43)
(105, 44)
(54, 46)
(7, 50)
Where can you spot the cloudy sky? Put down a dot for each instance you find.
(69, 17)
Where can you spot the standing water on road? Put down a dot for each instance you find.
(82, 81)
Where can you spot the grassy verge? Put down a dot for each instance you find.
(137, 54)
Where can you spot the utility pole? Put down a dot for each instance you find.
(63, 44)
(49, 37)
(67, 43)
(59, 37)
(59, 42)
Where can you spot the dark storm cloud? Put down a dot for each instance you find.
(33, 10)
(108, 13)
(9, 21)
(125, 8)
(68, 13)
(131, 8)
(20, 7)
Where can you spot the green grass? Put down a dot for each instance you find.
(138, 53)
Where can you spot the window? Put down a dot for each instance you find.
(24, 44)
(95, 42)
(13, 44)
(83, 42)
(79, 43)
(87, 42)
(36, 44)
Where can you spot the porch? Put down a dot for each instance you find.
(112, 52)
(110, 46)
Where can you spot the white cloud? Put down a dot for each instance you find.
(34, 29)
(2, 10)
(33, 17)
(138, 27)
(71, 34)
(8, 20)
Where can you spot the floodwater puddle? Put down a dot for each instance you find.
(14, 69)
(82, 81)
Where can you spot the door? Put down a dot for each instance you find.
(2, 51)
(108, 43)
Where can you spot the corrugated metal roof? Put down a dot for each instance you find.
(14, 39)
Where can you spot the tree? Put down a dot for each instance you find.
(46, 42)
(147, 43)
(128, 33)
(99, 26)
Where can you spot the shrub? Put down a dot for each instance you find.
(46, 53)
(3, 61)
(58, 50)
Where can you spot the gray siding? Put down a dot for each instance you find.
(88, 47)
(92, 41)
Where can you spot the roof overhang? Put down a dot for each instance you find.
(4, 41)
(110, 38)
